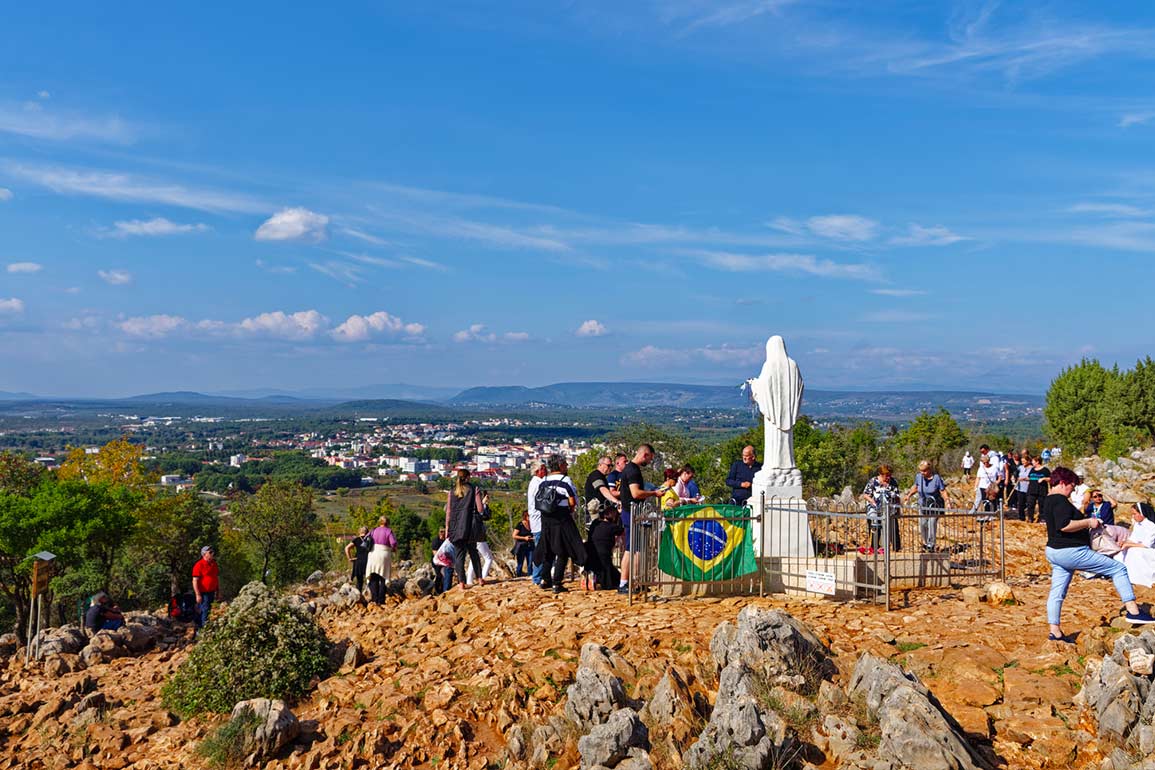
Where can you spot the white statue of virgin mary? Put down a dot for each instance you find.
(778, 392)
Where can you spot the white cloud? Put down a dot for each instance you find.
(591, 328)
(152, 227)
(293, 224)
(898, 292)
(843, 227)
(1108, 209)
(793, 263)
(118, 186)
(31, 119)
(936, 235)
(1135, 119)
(115, 277)
(896, 317)
(11, 306)
(25, 267)
(345, 273)
(475, 333)
(359, 328)
(5, 194)
(153, 326)
(302, 325)
(652, 356)
(516, 336)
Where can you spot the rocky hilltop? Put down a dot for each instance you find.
(507, 676)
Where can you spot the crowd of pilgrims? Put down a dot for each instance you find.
(1083, 536)
(546, 541)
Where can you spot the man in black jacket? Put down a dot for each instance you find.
(741, 478)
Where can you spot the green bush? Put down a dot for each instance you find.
(261, 648)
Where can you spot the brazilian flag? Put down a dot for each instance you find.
(707, 542)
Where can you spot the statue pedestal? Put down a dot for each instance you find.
(784, 530)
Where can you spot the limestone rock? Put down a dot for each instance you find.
(670, 713)
(773, 645)
(276, 726)
(915, 732)
(1112, 695)
(610, 742)
(346, 597)
(597, 689)
(66, 639)
(999, 594)
(739, 730)
(972, 595)
(315, 577)
(9, 643)
(841, 736)
(1141, 662)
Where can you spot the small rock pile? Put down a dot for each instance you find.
(1127, 479)
(68, 648)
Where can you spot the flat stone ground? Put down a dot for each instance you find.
(446, 677)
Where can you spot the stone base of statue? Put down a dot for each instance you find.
(784, 530)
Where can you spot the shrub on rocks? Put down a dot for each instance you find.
(262, 648)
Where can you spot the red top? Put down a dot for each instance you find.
(208, 572)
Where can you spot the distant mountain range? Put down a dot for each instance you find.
(443, 403)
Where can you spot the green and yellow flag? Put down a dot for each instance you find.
(707, 542)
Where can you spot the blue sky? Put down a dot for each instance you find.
(216, 196)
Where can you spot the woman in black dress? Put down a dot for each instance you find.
(357, 551)
(462, 520)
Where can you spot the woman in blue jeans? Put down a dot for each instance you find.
(1069, 551)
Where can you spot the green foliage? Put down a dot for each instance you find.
(172, 530)
(261, 648)
(84, 525)
(928, 437)
(226, 746)
(1075, 412)
(281, 525)
(296, 467)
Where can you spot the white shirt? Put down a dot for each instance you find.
(534, 514)
(987, 475)
(1077, 495)
(968, 461)
(1143, 532)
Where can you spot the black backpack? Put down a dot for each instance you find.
(549, 497)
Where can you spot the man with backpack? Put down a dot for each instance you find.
(556, 502)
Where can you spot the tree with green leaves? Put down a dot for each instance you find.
(172, 530)
(18, 474)
(928, 437)
(1076, 408)
(279, 521)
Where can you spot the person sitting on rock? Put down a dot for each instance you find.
(1137, 552)
(103, 615)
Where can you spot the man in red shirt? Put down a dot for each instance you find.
(205, 581)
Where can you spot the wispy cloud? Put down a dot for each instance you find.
(1108, 209)
(652, 356)
(788, 263)
(896, 317)
(936, 235)
(294, 224)
(36, 121)
(25, 267)
(5, 194)
(1135, 119)
(843, 227)
(898, 292)
(115, 277)
(158, 226)
(1122, 235)
(343, 272)
(118, 186)
(479, 333)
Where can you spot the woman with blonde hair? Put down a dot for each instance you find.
(462, 517)
(379, 565)
(929, 487)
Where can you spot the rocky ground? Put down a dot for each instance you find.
(480, 677)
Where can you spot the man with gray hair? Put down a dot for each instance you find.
(560, 540)
(537, 471)
(597, 489)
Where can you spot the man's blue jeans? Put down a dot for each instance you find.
(204, 606)
(536, 573)
(1065, 562)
